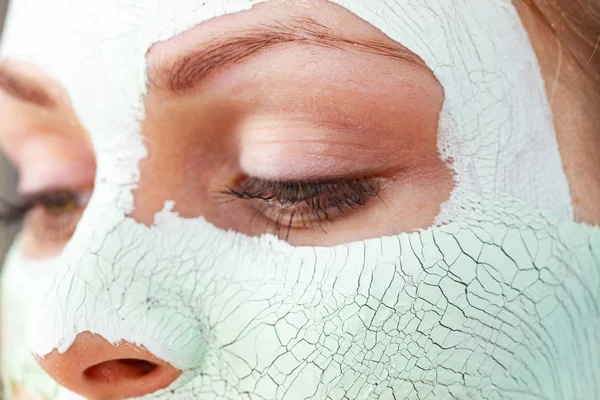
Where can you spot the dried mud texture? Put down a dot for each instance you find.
(480, 309)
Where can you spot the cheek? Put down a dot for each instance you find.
(453, 298)
(23, 284)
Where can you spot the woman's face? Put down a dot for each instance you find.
(289, 200)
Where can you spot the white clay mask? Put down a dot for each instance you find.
(497, 299)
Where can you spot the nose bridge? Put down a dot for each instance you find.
(111, 281)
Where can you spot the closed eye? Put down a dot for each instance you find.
(49, 218)
(304, 204)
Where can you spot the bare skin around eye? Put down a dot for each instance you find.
(52, 152)
(296, 113)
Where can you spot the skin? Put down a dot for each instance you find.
(283, 131)
(574, 98)
(240, 116)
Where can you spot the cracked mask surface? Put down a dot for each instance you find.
(500, 302)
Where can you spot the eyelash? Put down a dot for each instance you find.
(48, 219)
(312, 201)
(66, 199)
(285, 203)
(58, 217)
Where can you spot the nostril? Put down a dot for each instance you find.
(142, 367)
(98, 369)
(122, 369)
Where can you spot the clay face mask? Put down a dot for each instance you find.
(497, 299)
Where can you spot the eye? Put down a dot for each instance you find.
(53, 216)
(49, 218)
(59, 203)
(304, 205)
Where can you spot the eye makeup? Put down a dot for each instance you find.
(54, 202)
(49, 218)
(50, 162)
(304, 204)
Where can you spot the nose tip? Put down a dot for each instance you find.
(100, 370)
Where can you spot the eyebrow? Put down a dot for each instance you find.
(190, 70)
(25, 89)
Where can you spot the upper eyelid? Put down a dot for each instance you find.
(54, 161)
(11, 212)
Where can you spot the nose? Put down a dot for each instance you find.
(100, 370)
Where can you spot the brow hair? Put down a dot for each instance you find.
(192, 68)
(24, 89)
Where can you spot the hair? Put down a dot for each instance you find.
(576, 23)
